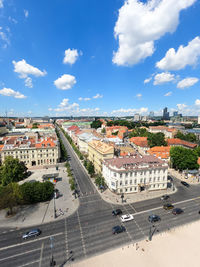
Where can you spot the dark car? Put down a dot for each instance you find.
(31, 233)
(116, 212)
(177, 211)
(154, 218)
(118, 229)
(168, 206)
(164, 197)
(185, 184)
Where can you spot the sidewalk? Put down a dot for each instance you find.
(182, 177)
(44, 212)
(113, 198)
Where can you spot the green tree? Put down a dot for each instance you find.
(190, 137)
(96, 124)
(12, 170)
(99, 180)
(157, 139)
(197, 151)
(103, 131)
(90, 168)
(183, 158)
(10, 196)
(34, 192)
(35, 125)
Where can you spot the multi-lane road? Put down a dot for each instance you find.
(89, 230)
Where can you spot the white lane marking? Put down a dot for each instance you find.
(42, 247)
(29, 263)
(132, 208)
(180, 202)
(20, 254)
(81, 232)
(136, 223)
(31, 241)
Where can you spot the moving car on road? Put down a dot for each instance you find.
(116, 212)
(168, 206)
(154, 218)
(185, 184)
(126, 217)
(31, 233)
(118, 229)
(177, 211)
(164, 197)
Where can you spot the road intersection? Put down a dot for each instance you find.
(88, 231)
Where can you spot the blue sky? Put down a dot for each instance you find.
(116, 57)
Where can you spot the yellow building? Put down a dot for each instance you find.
(97, 152)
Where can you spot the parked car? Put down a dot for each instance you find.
(164, 197)
(154, 218)
(126, 217)
(168, 206)
(177, 211)
(118, 229)
(116, 212)
(185, 184)
(31, 233)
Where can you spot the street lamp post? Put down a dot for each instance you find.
(55, 215)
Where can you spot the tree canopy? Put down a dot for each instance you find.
(183, 158)
(96, 124)
(12, 170)
(190, 137)
(157, 139)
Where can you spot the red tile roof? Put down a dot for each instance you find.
(160, 151)
(139, 141)
(179, 142)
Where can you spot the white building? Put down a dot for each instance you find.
(133, 174)
(199, 119)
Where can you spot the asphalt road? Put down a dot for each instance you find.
(89, 230)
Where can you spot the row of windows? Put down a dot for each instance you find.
(137, 173)
(130, 189)
(141, 181)
(27, 151)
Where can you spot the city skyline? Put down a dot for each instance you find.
(91, 58)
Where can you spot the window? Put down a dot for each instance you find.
(114, 174)
(131, 189)
(144, 180)
(121, 190)
(126, 174)
(126, 189)
(149, 179)
(141, 180)
(112, 183)
(135, 181)
(135, 188)
(120, 183)
(120, 175)
(130, 174)
(126, 182)
(158, 179)
(130, 181)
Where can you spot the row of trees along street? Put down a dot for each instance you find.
(12, 194)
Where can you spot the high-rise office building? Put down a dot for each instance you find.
(175, 113)
(165, 114)
(151, 114)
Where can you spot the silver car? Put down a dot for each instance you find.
(31, 233)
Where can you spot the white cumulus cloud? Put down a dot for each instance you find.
(24, 70)
(65, 82)
(184, 56)
(71, 55)
(140, 24)
(1, 3)
(168, 94)
(147, 80)
(26, 13)
(84, 98)
(139, 96)
(187, 82)
(163, 77)
(11, 92)
(97, 96)
(181, 107)
(197, 102)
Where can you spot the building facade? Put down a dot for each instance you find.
(97, 152)
(135, 173)
(44, 151)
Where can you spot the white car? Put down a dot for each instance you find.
(127, 217)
